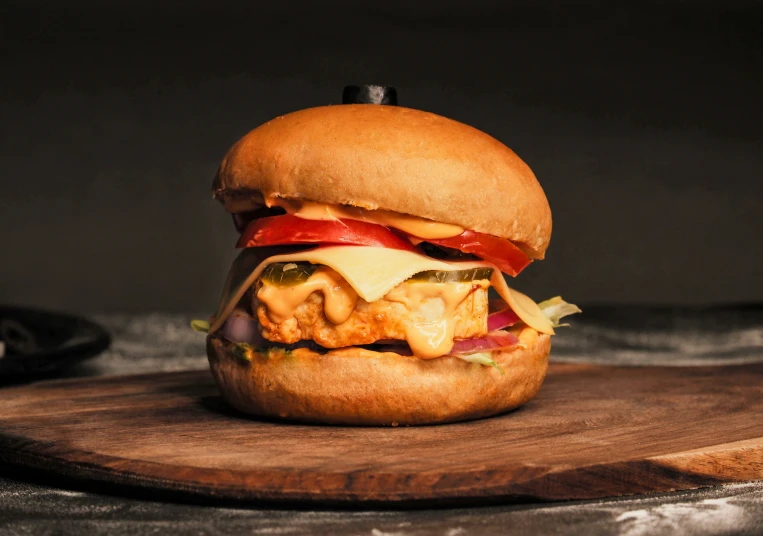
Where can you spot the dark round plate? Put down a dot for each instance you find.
(45, 342)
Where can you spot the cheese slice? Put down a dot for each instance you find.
(372, 272)
(523, 305)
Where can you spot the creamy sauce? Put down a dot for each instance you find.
(527, 338)
(339, 298)
(413, 225)
(437, 303)
(432, 306)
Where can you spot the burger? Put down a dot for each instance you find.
(370, 285)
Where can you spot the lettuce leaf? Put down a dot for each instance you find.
(201, 326)
(483, 358)
(242, 351)
(556, 308)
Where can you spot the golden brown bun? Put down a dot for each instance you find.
(393, 158)
(378, 389)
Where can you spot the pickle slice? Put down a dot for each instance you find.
(288, 274)
(453, 276)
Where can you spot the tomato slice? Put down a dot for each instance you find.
(504, 254)
(289, 229)
(242, 219)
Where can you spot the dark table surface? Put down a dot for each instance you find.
(34, 504)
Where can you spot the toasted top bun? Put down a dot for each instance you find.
(393, 158)
(355, 386)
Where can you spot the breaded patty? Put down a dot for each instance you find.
(379, 320)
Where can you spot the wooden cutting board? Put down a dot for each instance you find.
(592, 432)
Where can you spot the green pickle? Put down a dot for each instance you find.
(288, 274)
(456, 276)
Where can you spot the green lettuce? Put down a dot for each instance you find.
(242, 351)
(200, 326)
(483, 358)
(556, 308)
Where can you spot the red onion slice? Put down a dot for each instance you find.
(495, 340)
(240, 327)
(501, 319)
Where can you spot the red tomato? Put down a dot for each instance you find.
(289, 229)
(506, 256)
(242, 219)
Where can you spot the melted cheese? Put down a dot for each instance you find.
(413, 225)
(372, 273)
(433, 337)
(339, 298)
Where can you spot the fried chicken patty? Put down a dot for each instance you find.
(371, 322)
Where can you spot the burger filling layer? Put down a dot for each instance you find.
(350, 296)
(428, 311)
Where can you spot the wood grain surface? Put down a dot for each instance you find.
(593, 431)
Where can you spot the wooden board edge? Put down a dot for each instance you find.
(736, 461)
(671, 472)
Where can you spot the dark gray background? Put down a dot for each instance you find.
(643, 123)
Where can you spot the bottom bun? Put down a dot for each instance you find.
(359, 387)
